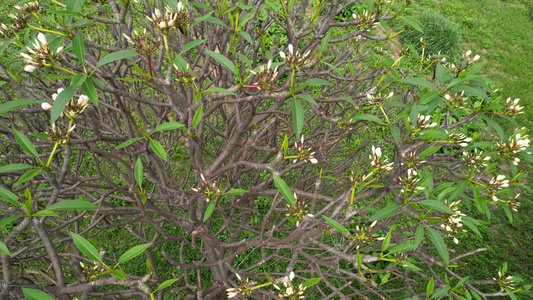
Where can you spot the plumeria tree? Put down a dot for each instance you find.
(244, 149)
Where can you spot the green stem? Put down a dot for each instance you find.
(46, 30)
(52, 155)
(58, 3)
(63, 69)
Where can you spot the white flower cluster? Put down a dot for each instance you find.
(379, 165)
(167, 21)
(72, 109)
(294, 59)
(476, 159)
(512, 108)
(458, 138)
(41, 56)
(452, 222)
(495, 184)
(422, 122)
(291, 291)
(411, 182)
(303, 153)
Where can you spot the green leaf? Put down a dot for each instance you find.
(198, 116)
(29, 175)
(336, 225)
(432, 134)
(77, 80)
(32, 294)
(480, 204)
(25, 143)
(61, 101)
(418, 82)
(419, 235)
(439, 74)
(133, 252)
(119, 274)
(138, 172)
(440, 293)
(82, 22)
(429, 151)
(121, 54)
(10, 198)
(395, 132)
(45, 213)
(284, 189)
(367, 117)
(14, 104)
(8, 220)
(413, 23)
(430, 287)
(14, 168)
(236, 192)
(402, 248)
(3, 249)
(191, 45)
(317, 82)
(428, 97)
(158, 149)
(224, 61)
(213, 20)
(79, 48)
(128, 142)
(438, 242)
(308, 99)
(472, 226)
(385, 212)
(410, 266)
(74, 5)
(86, 247)
(89, 90)
(209, 210)
(67, 205)
(436, 205)
(169, 126)
(166, 283)
(359, 260)
(311, 282)
(220, 90)
(386, 241)
(247, 37)
(297, 117)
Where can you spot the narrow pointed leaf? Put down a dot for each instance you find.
(284, 189)
(209, 210)
(68, 205)
(158, 149)
(436, 205)
(118, 55)
(191, 45)
(10, 198)
(128, 142)
(138, 172)
(89, 90)
(198, 116)
(311, 282)
(167, 283)
(29, 175)
(4, 249)
(236, 192)
(79, 48)
(33, 294)
(25, 143)
(133, 252)
(385, 212)
(86, 247)
(367, 117)
(336, 225)
(224, 61)
(419, 235)
(45, 213)
(14, 104)
(61, 101)
(169, 126)
(14, 168)
(429, 151)
(438, 242)
(119, 274)
(297, 117)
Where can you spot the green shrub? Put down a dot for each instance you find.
(441, 34)
(530, 10)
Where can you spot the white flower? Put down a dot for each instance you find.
(468, 53)
(41, 38)
(476, 58)
(46, 105)
(180, 6)
(29, 68)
